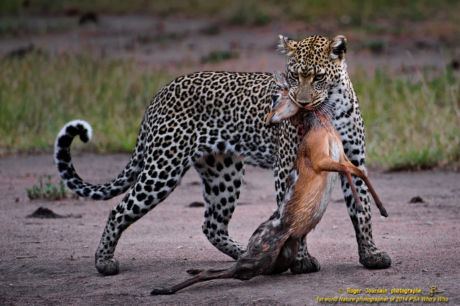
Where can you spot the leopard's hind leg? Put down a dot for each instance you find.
(222, 177)
(156, 181)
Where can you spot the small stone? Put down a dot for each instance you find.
(416, 199)
(44, 213)
(196, 204)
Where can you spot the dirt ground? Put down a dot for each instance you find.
(50, 261)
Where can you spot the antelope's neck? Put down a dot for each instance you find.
(313, 189)
(312, 120)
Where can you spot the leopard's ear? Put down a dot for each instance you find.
(287, 46)
(338, 47)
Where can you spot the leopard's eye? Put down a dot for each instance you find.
(319, 77)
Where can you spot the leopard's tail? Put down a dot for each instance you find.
(72, 180)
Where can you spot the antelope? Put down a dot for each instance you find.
(272, 248)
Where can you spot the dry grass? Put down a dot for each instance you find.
(409, 124)
(38, 94)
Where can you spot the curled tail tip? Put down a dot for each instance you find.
(71, 129)
(78, 127)
(86, 128)
(66, 135)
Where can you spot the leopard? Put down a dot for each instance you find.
(214, 121)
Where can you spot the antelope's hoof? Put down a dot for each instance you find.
(161, 291)
(380, 260)
(108, 266)
(308, 264)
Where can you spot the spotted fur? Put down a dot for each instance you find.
(214, 122)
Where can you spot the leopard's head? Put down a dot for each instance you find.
(314, 67)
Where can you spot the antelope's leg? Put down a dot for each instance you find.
(198, 271)
(359, 206)
(358, 172)
(201, 277)
(347, 167)
(327, 164)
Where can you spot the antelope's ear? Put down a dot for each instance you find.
(338, 47)
(281, 111)
(281, 79)
(287, 46)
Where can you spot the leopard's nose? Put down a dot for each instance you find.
(303, 93)
(303, 96)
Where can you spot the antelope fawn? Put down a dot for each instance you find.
(272, 248)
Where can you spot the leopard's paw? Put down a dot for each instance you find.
(107, 266)
(379, 260)
(307, 264)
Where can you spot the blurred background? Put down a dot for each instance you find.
(103, 60)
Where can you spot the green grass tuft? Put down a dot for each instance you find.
(46, 190)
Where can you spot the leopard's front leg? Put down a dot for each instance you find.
(351, 130)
